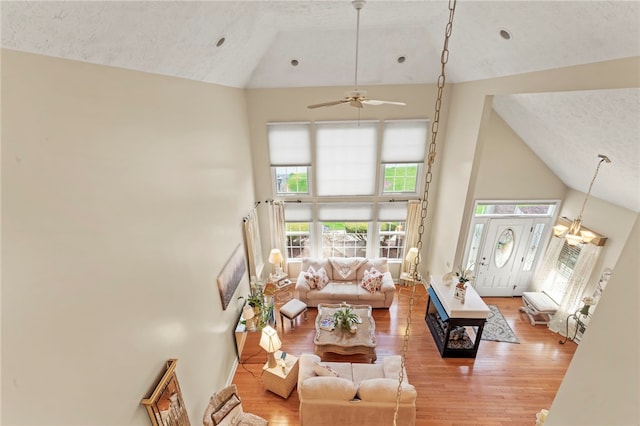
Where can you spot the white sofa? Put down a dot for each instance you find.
(361, 394)
(345, 278)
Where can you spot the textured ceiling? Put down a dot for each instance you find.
(262, 37)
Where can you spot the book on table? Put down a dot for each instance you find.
(327, 323)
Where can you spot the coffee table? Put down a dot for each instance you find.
(363, 341)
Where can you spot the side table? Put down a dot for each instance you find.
(278, 380)
(580, 326)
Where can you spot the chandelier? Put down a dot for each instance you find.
(574, 234)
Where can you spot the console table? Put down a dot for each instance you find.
(456, 327)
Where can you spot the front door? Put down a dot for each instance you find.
(502, 257)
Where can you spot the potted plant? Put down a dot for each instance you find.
(345, 319)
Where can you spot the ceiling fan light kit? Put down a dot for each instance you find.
(356, 98)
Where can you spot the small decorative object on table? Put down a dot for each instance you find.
(327, 324)
(460, 292)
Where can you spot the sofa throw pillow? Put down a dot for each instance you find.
(322, 279)
(324, 370)
(311, 277)
(224, 409)
(316, 279)
(372, 280)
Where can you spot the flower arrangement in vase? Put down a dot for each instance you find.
(588, 302)
(463, 276)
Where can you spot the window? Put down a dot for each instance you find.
(298, 223)
(290, 155)
(344, 239)
(391, 239)
(391, 229)
(404, 144)
(400, 178)
(298, 240)
(346, 158)
(292, 180)
(567, 260)
(542, 209)
(564, 269)
(343, 175)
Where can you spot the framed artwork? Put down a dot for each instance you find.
(165, 405)
(230, 276)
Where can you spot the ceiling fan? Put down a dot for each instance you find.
(356, 98)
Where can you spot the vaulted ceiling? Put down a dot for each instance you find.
(262, 38)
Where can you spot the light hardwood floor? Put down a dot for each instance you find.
(506, 384)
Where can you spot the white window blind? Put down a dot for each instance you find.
(298, 212)
(392, 211)
(346, 158)
(289, 144)
(347, 212)
(404, 141)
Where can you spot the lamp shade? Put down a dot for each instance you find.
(269, 341)
(412, 254)
(275, 257)
(248, 313)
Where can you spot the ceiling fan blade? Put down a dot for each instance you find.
(326, 104)
(376, 102)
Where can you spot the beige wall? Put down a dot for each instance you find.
(467, 113)
(601, 386)
(122, 198)
(508, 169)
(289, 105)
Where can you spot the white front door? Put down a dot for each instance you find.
(501, 258)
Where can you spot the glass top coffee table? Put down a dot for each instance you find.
(363, 341)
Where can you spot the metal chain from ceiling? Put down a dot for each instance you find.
(431, 156)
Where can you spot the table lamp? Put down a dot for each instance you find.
(248, 314)
(411, 257)
(270, 342)
(276, 259)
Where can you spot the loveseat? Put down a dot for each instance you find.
(342, 393)
(354, 280)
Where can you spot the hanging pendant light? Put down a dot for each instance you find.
(574, 234)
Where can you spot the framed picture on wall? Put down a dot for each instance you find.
(231, 274)
(165, 406)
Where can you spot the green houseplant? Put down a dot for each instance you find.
(345, 319)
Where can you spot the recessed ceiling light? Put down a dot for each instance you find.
(504, 33)
(294, 62)
(401, 59)
(220, 42)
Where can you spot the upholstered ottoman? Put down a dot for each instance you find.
(291, 310)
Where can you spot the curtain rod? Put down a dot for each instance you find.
(285, 201)
(246, 218)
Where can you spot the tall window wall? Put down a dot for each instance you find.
(346, 184)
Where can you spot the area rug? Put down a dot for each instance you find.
(496, 327)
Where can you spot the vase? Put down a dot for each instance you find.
(353, 329)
